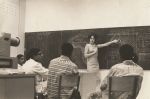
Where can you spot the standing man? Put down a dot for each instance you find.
(58, 66)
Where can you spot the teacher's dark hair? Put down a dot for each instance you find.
(92, 34)
(95, 36)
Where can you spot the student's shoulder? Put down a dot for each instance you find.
(116, 65)
(55, 59)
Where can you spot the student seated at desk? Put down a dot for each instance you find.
(33, 66)
(59, 66)
(127, 67)
(21, 60)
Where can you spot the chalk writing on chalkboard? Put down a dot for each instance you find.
(138, 37)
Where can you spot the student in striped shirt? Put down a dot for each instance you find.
(58, 66)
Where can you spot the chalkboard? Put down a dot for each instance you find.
(50, 43)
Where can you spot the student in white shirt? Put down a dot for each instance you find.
(33, 66)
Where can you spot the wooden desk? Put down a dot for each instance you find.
(17, 86)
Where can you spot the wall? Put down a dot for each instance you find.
(21, 26)
(11, 21)
(50, 15)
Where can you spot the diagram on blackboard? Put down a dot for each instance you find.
(138, 37)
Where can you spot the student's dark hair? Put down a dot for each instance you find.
(32, 52)
(67, 49)
(126, 52)
(19, 56)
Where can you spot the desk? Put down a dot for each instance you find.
(88, 81)
(17, 86)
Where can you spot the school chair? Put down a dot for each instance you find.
(68, 81)
(126, 84)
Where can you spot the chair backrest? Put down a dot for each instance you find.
(125, 86)
(68, 81)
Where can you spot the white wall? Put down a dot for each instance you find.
(11, 21)
(49, 15)
(21, 27)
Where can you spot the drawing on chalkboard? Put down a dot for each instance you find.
(138, 37)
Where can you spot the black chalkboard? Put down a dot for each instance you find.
(50, 43)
